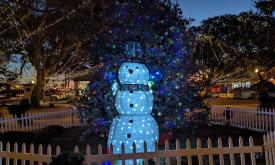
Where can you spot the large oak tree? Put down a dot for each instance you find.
(234, 43)
(54, 35)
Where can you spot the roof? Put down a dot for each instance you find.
(88, 76)
(238, 75)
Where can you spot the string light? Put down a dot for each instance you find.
(40, 29)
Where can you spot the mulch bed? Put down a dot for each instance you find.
(67, 138)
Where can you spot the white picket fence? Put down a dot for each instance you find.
(253, 119)
(203, 152)
(259, 120)
(31, 122)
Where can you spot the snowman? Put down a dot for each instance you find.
(134, 103)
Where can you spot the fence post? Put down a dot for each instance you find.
(241, 119)
(273, 147)
(269, 141)
(34, 123)
(209, 145)
(199, 155)
(156, 150)
(167, 149)
(1, 149)
(88, 153)
(23, 151)
(178, 148)
(2, 124)
(252, 154)
(8, 150)
(252, 120)
(232, 159)
(14, 122)
(111, 152)
(32, 153)
(241, 154)
(265, 150)
(262, 121)
(57, 150)
(257, 120)
(270, 120)
(25, 122)
(76, 150)
(265, 120)
(40, 152)
(15, 150)
(5, 124)
(189, 157)
(49, 151)
(99, 151)
(220, 155)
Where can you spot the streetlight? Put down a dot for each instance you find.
(256, 70)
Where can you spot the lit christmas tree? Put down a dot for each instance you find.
(152, 33)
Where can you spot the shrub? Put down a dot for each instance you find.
(17, 110)
(44, 136)
(52, 131)
(67, 159)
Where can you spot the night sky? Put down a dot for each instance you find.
(203, 9)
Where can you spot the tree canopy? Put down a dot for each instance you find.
(53, 35)
(224, 43)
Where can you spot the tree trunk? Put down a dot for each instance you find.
(8, 89)
(38, 90)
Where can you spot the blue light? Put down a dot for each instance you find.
(133, 48)
(106, 163)
(134, 123)
(156, 75)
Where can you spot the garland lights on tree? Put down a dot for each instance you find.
(52, 35)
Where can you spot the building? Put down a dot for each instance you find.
(237, 84)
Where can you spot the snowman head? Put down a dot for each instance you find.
(133, 73)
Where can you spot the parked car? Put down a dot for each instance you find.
(10, 93)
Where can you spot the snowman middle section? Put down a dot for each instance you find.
(134, 103)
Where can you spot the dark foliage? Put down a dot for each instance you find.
(42, 137)
(67, 159)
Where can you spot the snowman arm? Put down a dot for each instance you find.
(115, 88)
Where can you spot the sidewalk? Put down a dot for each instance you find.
(222, 103)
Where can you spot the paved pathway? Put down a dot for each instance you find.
(221, 104)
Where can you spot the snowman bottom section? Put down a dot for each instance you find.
(133, 129)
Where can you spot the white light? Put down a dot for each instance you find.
(133, 119)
